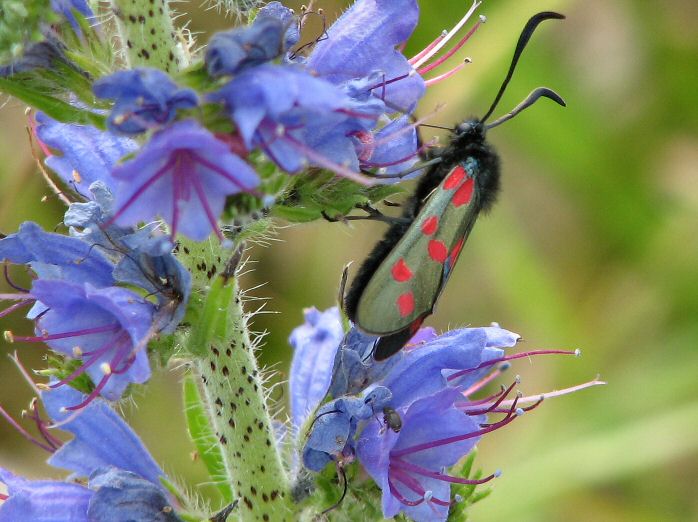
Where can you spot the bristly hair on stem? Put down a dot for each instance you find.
(236, 9)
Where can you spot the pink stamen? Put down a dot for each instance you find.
(486, 380)
(356, 114)
(176, 192)
(328, 164)
(454, 50)
(25, 373)
(494, 405)
(409, 481)
(14, 297)
(442, 77)
(492, 362)
(428, 48)
(53, 441)
(418, 63)
(557, 393)
(451, 440)
(24, 433)
(66, 335)
(414, 468)
(394, 491)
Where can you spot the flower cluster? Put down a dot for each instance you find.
(408, 419)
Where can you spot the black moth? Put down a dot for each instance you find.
(399, 283)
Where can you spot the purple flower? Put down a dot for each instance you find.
(40, 55)
(123, 479)
(107, 329)
(183, 174)
(144, 98)
(296, 118)
(87, 153)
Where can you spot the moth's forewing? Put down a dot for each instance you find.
(406, 285)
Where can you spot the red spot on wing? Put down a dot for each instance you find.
(405, 303)
(437, 250)
(400, 271)
(430, 225)
(465, 193)
(453, 257)
(454, 178)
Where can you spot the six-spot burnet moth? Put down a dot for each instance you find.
(398, 285)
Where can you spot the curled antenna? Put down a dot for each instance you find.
(536, 94)
(526, 34)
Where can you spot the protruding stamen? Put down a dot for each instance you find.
(557, 393)
(24, 433)
(414, 468)
(487, 379)
(65, 335)
(521, 355)
(450, 35)
(442, 77)
(428, 48)
(455, 48)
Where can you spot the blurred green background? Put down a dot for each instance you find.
(593, 245)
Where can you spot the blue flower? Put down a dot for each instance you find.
(315, 344)
(296, 118)
(362, 42)
(87, 154)
(122, 479)
(53, 256)
(183, 174)
(107, 329)
(408, 465)
(40, 55)
(145, 98)
(232, 52)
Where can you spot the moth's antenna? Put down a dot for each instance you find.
(536, 94)
(526, 34)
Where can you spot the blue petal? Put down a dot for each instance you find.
(394, 144)
(55, 256)
(121, 495)
(286, 16)
(234, 51)
(315, 344)
(421, 370)
(362, 41)
(144, 98)
(43, 500)
(200, 161)
(86, 150)
(102, 438)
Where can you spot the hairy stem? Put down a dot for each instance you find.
(148, 34)
(224, 357)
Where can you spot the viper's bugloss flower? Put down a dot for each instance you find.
(428, 386)
(144, 98)
(123, 482)
(85, 154)
(183, 174)
(233, 51)
(296, 118)
(314, 344)
(107, 329)
(363, 41)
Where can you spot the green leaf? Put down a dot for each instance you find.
(204, 438)
(55, 108)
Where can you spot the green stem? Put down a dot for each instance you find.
(233, 388)
(148, 34)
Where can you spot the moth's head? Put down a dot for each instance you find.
(470, 129)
